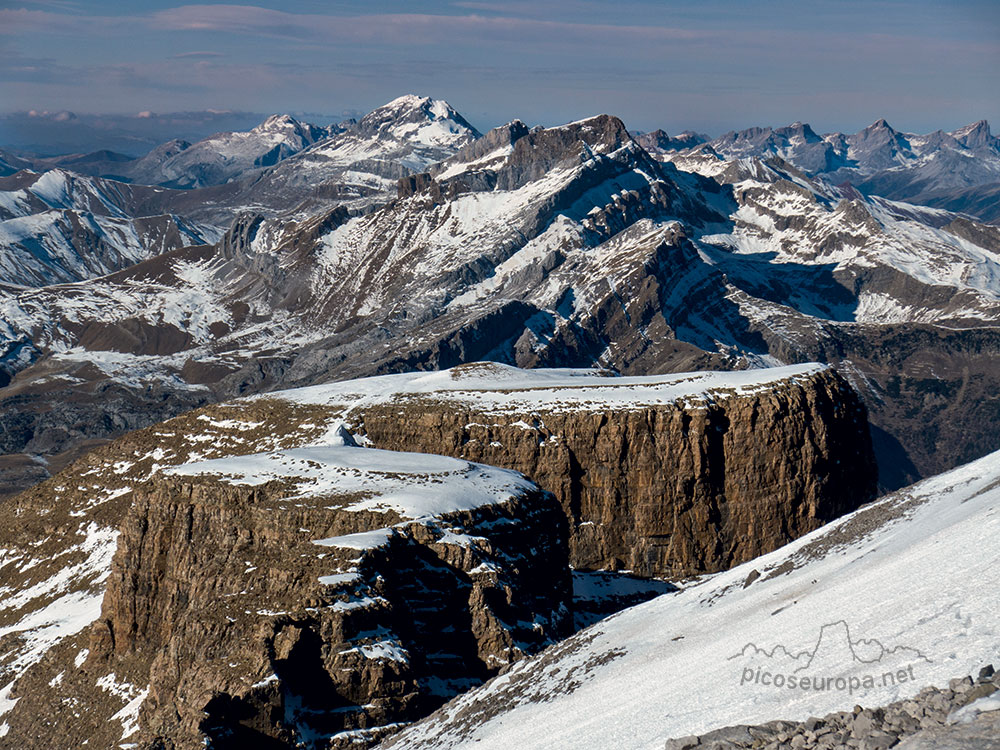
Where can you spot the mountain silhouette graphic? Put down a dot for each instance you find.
(835, 649)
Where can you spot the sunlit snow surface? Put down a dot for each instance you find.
(414, 485)
(906, 583)
(791, 222)
(495, 388)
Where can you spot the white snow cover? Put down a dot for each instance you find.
(133, 698)
(782, 224)
(429, 242)
(411, 130)
(359, 540)
(227, 155)
(192, 304)
(906, 585)
(57, 606)
(413, 485)
(41, 226)
(496, 388)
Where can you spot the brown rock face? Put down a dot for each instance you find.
(671, 490)
(246, 633)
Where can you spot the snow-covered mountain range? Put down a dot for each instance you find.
(63, 222)
(178, 163)
(958, 170)
(359, 166)
(58, 227)
(261, 551)
(222, 157)
(566, 246)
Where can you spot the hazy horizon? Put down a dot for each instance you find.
(708, 66)
(136, 133)
(327, 118)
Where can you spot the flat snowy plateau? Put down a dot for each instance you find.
(898, 595)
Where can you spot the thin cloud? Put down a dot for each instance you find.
(17, 68)
(196, 55)
(418, 29)
(17, 21)
(668, 62)
(401, 27)
(70, 5)
(535, 9)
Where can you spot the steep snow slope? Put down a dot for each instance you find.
(900, 594)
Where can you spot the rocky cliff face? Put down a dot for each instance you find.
(672, 491)
(309, 612)
(220, 613)
(699, 482)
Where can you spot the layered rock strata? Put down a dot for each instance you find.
(312, 598)
(661, 476)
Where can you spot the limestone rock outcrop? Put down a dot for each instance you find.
(308, 612)
(677, 486)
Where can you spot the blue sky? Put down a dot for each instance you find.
(708, 65)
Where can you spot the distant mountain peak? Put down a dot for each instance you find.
(411, 104)
(801, 129)
(279, 123)
(880, 124)
(973, 135)
(592, 120)
(411, 101)
(660, 140)
(278, 120)
(410, 111)
(598, 130)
